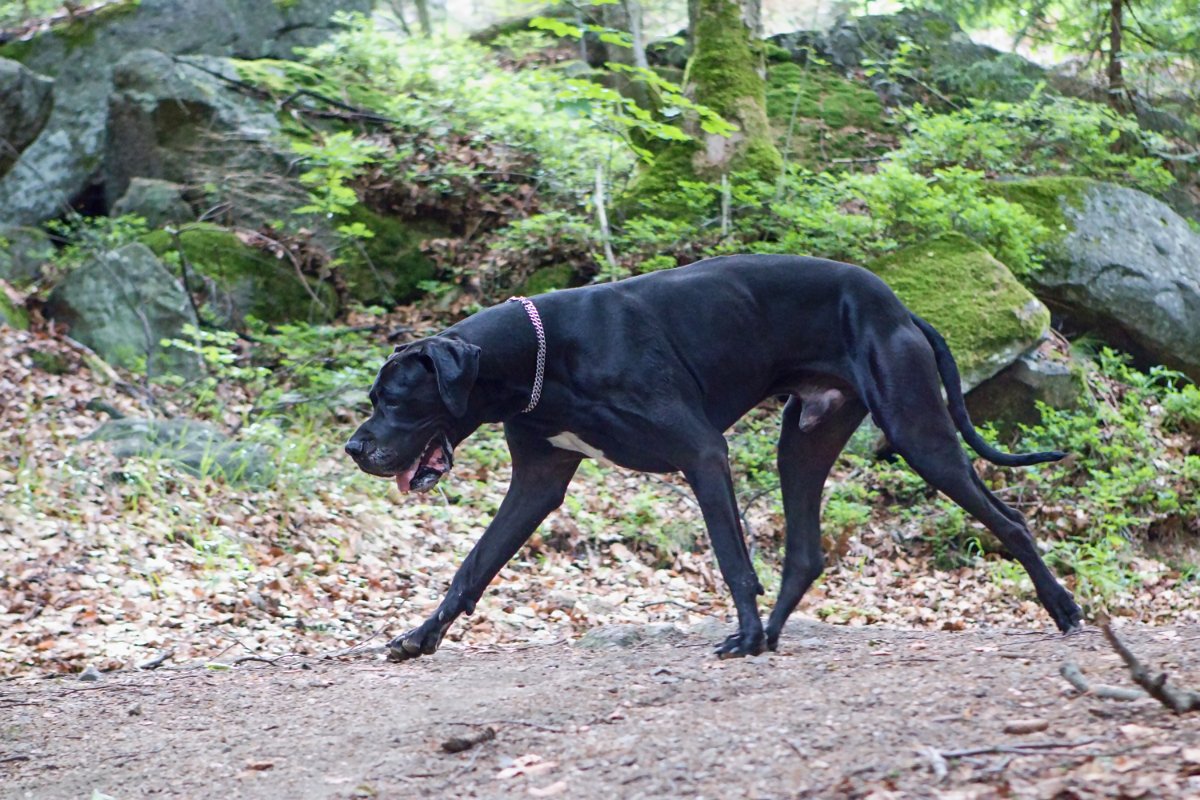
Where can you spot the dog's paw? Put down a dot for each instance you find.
(417, 642)
(1065, 612)
(742, 644)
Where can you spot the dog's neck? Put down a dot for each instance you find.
(507, 364)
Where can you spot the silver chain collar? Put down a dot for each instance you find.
(536, 320)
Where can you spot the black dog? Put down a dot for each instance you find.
(648, 373)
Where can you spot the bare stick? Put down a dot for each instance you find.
(602, 221)
(157, 661)
(1074, 676)
(1020, 749)
(1178, 700)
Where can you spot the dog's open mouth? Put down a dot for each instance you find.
(429, 468)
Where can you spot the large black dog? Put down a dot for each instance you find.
(649, 372)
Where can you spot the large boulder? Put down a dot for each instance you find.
(987, 317)
(122, 304)
(65, 161)
(156, 201)
(181, 119)
(943, 55)
(1011, 397)
(25, 102)
(1124, 266)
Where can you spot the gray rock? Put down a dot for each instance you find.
(1011, 397)
(176, 118)
(67, 157)
(158, 202)
(1129, 268)
(122, 305)
(198, 448)
(23, 253)
(25, 102)
(944, 55)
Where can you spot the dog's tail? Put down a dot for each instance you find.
(958, 406)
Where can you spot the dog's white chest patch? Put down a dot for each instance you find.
(569, 441)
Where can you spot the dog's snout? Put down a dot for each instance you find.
(357, 448)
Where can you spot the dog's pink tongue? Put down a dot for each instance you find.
(404, 479)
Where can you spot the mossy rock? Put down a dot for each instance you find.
(242, 280)
(987, 317)
(1046, 198)
(11, 314)
(397, 267)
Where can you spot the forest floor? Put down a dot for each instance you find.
(839, 712)
(242, 599)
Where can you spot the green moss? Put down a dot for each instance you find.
(16, 50)
(817, 94)
(725, 69)
(11, 314)
(81, 32)
(834, 117)
(671, 165)
(969, 296)
(1045, 198)
(546, 279)
(396, 264)
(256, 282)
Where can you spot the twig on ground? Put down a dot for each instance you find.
(1019, 749)
(360, 648)
(157, 661)
(533, 725)
(457, 744)
(1074, 676)
(937, 763)
(1178, 700)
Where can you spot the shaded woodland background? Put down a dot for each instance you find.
(217, 218)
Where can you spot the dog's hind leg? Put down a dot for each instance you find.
(808, 447)
(907, 404)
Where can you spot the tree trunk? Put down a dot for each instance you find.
(726, 73)
(423, 17)
(1116, 79)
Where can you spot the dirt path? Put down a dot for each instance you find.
(843, 712)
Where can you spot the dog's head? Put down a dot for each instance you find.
(418, 400)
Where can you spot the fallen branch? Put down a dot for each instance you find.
(1020, 749)
(1074, 676)
(1178, 700)
(457, 744)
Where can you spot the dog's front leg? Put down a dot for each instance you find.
(710, 480)
(540, 477)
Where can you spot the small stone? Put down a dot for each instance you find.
(90, 674)
(1021, 726)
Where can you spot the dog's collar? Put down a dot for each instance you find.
(536, 320)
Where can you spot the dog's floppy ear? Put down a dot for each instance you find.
(456, 364)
